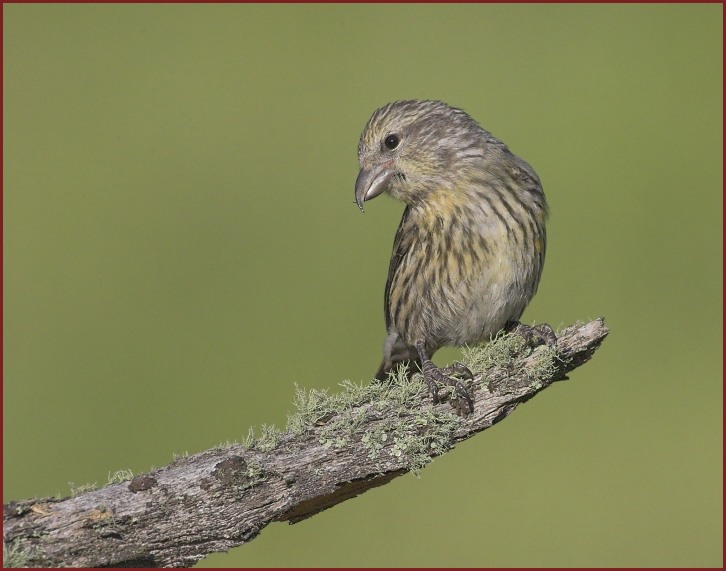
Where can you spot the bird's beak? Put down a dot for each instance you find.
(371, 182)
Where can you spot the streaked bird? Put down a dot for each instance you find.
(470, 247)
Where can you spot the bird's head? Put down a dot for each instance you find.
(413, 148)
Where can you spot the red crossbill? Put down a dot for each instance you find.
(470, 247)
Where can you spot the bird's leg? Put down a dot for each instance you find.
(432, 374)
(534, 335)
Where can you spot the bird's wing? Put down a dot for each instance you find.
(400, 247)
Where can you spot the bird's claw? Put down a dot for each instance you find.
(534, 335)
(458, 369)
(463, 402)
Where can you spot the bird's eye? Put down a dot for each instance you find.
(391, 142)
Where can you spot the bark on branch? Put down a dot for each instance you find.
(334, 450)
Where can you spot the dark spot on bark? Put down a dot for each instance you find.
(206, 484)
(141, 562)
(142, 483)
(13, 509)
(231, 470)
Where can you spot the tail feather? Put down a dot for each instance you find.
(413, 366)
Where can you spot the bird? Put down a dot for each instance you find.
(469, 251)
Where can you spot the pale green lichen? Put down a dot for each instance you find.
(15, 554)
(226, 444)
(254, 473)
(81, 488)
(417, 435)
(269, 438)
(545, 367)
(249, 440)
(405, 430)
(120, 476)
(338, 430)
(502, 353)
(499, 353)
(408, 432)
(315, 406)
(411, 433)
(375, 440)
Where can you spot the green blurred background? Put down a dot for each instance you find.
(181, 246)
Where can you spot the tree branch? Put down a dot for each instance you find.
(335, 447)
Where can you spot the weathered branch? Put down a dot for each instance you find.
(335, 448)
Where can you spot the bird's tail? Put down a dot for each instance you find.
(412, 366)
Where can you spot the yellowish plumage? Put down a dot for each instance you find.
(469, 251)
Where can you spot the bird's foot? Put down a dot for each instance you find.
(534, 335)
(433, 375)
